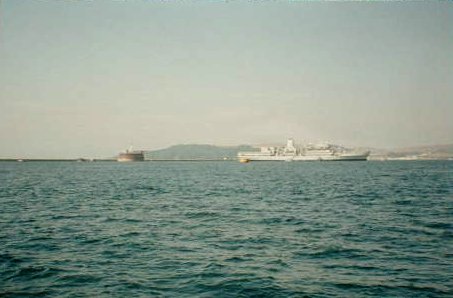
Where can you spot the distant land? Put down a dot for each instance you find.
(201, 152)
(419, 152)
(213, 152)
(194, 151)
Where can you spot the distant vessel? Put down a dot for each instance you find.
(321, 152)
(131, 155)
(84, 159)
(244, 160)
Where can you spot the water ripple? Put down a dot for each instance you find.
(226, 229)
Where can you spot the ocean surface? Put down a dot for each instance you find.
(225, 229)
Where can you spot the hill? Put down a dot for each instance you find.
(193, 151)
(212, 152)
(432, 151)
(418, 152)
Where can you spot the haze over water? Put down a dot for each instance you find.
(225, 229)
(88, 78)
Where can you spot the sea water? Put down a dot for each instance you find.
(225, 229)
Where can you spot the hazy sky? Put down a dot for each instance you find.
(89, 78)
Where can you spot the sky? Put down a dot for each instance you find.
(90, 78)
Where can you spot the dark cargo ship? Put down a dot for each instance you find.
(130, 155)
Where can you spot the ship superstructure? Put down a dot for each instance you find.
(311, 152)
(131, 155)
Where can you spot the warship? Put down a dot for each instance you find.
(311, 152)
